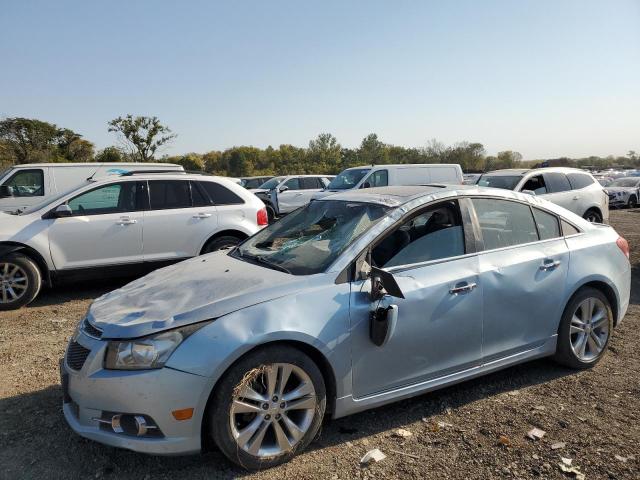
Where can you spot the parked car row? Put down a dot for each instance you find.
(353, 301)
(121, 224)
(623, 192)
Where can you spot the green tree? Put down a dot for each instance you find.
(372, 151)
(324, 153)
(142, 135)
(190, 162)
(109, 155)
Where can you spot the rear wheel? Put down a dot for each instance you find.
(20, 281)
(271, 214)
(585, 329)
(220, 243)
(593, 216)
(267, 407)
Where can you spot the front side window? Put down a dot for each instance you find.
(114, 198)
(292, 184)
(547, 224)
(27, 183)
(504, 223)
(506, 182)
(348, 179)
(168, 194)
(379, 179)
(272, 183)
(308, 240)
(536, 184)
(557, 182)
(435, 234)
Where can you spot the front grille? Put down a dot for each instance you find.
(76, 355)
(90, 330)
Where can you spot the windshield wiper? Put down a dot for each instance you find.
(267, 263)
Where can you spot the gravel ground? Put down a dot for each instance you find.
(473, 430)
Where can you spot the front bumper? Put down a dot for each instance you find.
(91, 391)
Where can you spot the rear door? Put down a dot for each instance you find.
(178, 222)
(523, 268)
(104, 229)
(560, 192)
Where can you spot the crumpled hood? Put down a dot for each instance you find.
(198, 289)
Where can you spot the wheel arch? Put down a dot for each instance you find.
(595, 208)
(311, 351)
(606, 289)
(222, 233)
(32, 253)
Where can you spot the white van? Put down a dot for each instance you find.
(386, 175)
(22, 186)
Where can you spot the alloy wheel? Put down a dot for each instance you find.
(272, 409)
(13, 282)
(589, 330)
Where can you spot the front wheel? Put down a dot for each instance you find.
(20, 281)
(633, 202)
(585, 329)
(267, 407)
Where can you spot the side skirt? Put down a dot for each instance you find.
(348, 405)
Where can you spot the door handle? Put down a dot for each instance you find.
(549, 265)
(126, 221)
(462, 288)
(202, 215)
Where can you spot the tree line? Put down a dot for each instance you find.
(140, 138)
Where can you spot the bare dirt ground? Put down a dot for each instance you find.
(471, 431)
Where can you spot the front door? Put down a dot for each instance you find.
(105, 228)
(522, 268)
(299, 192)
(439, 325)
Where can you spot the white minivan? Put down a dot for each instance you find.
(390, 175)
(22, 186)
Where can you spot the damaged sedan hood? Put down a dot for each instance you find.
(198, 289)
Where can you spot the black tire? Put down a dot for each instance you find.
(33, 281)
(271, 214)
(219, 412)
(592, 215)
(633, 202)
(220, 243)
(565, 354)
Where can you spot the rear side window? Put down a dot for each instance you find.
(547, 224)
(579, 180)
(309, 183)
(27, 183)
(557, 182)
(220, 195)
(568, 229)
(504, 223)
(168, 194)
(199, 196)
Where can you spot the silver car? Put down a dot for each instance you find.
(352, 302)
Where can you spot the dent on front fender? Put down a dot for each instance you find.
(317, 317)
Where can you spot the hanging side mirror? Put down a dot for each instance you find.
(283, 188)
(6, 191)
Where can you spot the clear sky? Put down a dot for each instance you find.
(547, 78)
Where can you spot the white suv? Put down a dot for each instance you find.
(571, 188)
(126, 225)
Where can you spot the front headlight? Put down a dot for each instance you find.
(147, 352)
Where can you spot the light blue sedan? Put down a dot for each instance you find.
(354, 301)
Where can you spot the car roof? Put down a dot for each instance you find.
(97, 164)
(160, 176)
(396, 195)
(403, 165)
(524, 171)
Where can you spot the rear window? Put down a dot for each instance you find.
(167, 194)
(220, 195)
(579, 180)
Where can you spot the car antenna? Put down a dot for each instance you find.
(90, 177)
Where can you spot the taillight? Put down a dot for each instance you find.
(623, 245)
(263, 218)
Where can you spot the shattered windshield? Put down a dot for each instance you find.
(308, 240)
